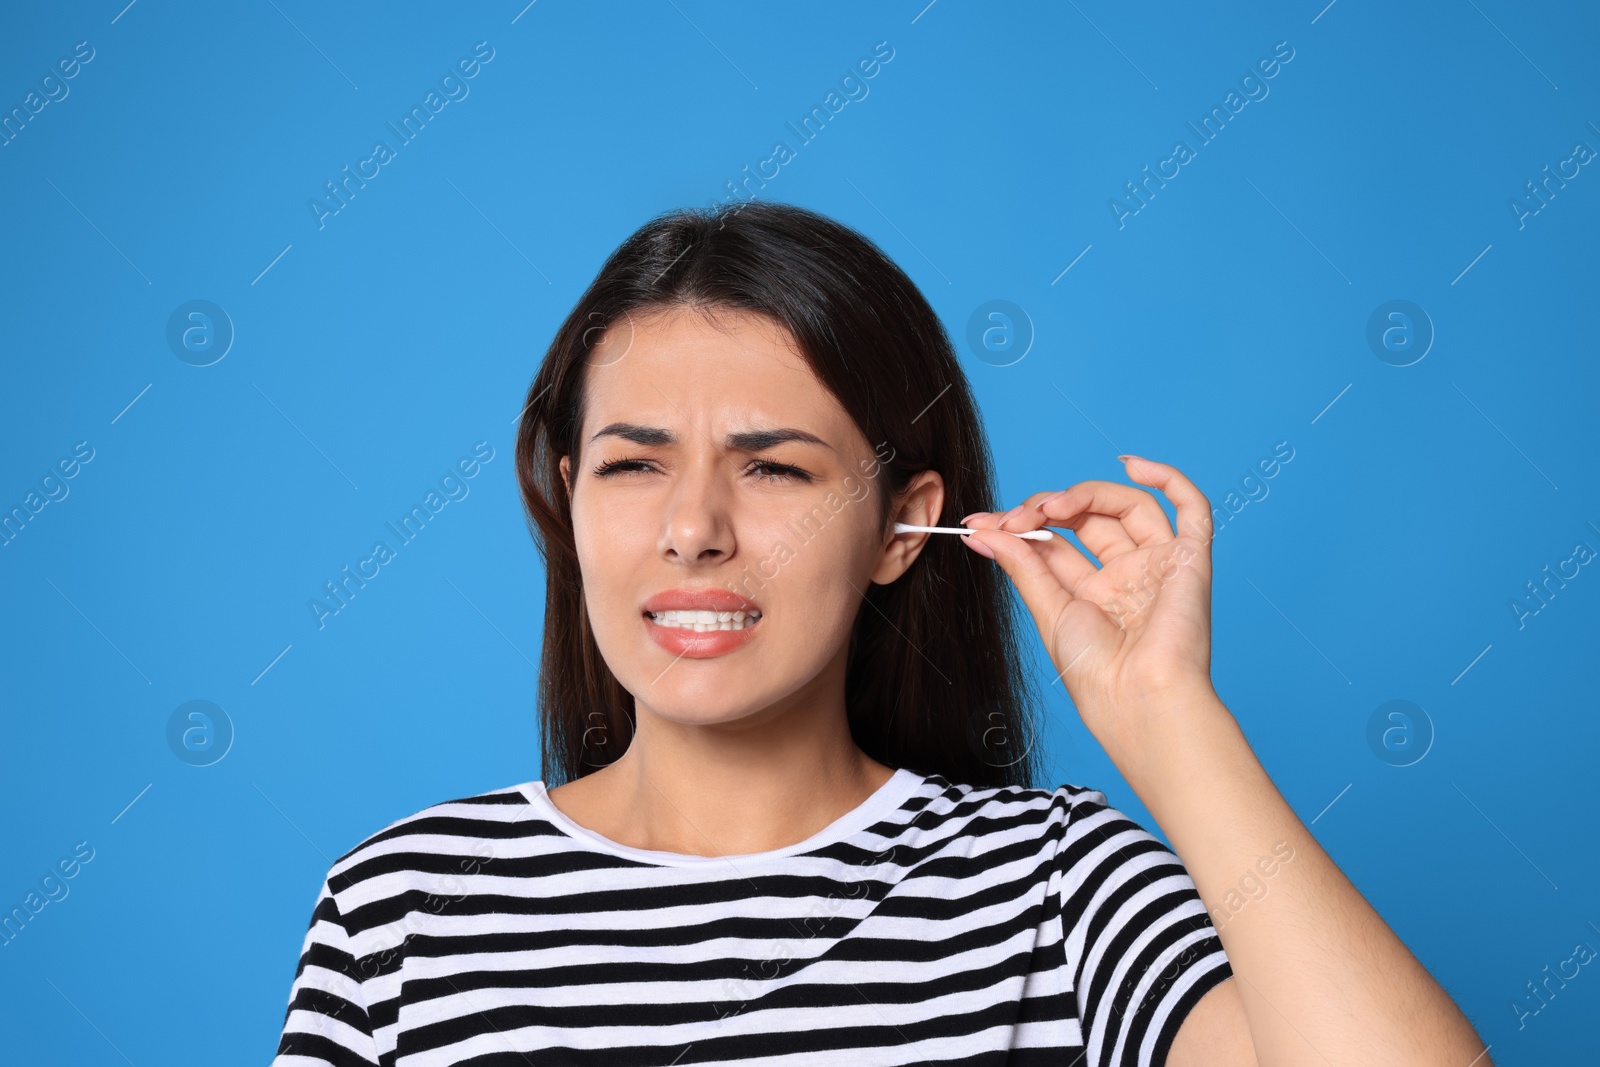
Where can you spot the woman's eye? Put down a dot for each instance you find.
(779, 472)
(762, 470)
(616, 465)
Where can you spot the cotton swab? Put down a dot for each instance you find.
(1031, 535)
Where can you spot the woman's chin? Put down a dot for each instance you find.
(687, 708)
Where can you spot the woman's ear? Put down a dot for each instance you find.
(919, 504)
(566, 475)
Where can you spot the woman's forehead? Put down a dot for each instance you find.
(711, 336)
(741, 373)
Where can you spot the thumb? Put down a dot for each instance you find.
(1041, 591)
(1072, 631)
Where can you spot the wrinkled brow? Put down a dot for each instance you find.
(745, 441)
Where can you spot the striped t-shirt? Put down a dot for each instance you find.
(935, 923)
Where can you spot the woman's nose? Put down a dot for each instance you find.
(697, 524)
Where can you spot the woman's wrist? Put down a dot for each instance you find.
(1156, 738)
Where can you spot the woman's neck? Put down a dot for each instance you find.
(704, 791)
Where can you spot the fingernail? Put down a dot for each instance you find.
(1126, 458)
(974, 514)
(979, 546)
(1040, 505)
(1008, 515)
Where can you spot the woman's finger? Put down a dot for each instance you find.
(1194, 510)
(1071, 631)
(1110, 519)
(1138, 511)
(1102, 535)
(1070, 566)
(1043, 593)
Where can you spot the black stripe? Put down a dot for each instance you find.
(1183, 1005)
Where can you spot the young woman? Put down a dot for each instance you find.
(788, 813)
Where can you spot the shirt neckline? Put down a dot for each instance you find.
(890, 795)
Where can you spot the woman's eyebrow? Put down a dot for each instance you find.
(744, 441)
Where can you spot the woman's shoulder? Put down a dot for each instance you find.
(964, 792)
(1094, 843)
(945, 799)
(456, 826)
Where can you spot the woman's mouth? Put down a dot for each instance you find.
(705, 621)
(701, 634)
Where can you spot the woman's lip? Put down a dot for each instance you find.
(697, 644)
(699, 600)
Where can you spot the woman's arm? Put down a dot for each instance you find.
(1320, 978)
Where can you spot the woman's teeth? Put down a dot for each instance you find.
(706, 621)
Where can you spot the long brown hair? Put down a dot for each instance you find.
(934, 680)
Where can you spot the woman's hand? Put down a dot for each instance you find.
(1132, 639)
(1131, 635)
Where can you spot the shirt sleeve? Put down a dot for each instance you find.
(1140, 948)
(326, 1024)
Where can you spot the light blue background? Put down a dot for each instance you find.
(1228, 315)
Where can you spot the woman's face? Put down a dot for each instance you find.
(712, 460)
